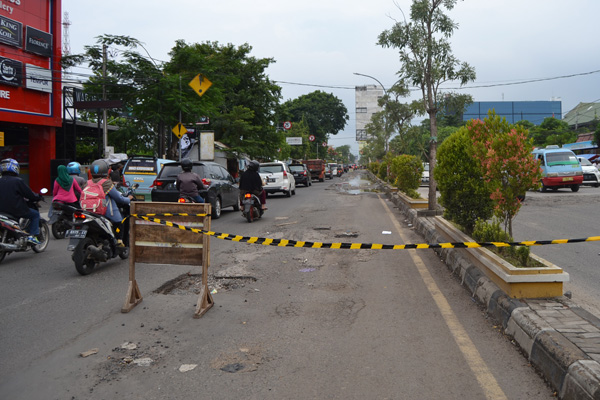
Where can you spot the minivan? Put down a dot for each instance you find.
(143, 170)
(560, 168)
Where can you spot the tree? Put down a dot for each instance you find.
(240, 103)
(552, 131)
(509, 169)
(324, 113)
(132, 78)
(242, 99)
(427, 61)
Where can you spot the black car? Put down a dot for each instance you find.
(222, 189)
(301, 174)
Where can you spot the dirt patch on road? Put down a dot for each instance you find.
(192, 283)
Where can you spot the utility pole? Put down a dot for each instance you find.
(104, 122)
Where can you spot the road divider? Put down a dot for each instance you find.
(353, 246)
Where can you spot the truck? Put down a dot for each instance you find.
(316, 168)
(560, 168)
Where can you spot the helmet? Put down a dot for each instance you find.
(253, 166)
(74, 168)
(186, 164)
(99, 169)
(9, 165)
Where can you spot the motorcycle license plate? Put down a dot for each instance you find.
(76, 233)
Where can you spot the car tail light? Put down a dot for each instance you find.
(284, 174)
(206, 181)
(79, 215)
(304, 173)
(157, 183)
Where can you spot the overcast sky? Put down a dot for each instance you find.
(318, 44)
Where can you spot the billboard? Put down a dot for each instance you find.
(30, 71)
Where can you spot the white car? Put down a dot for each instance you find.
(425, 175)
(278, 178)
(591, 175)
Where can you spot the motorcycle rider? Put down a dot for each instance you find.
(251, 182)
(74, 169)
(66, 189)
(13, 192)
(189, 183)
(99, 171)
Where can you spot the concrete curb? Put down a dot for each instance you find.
(569, 370)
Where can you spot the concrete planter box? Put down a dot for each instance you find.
(413, 203)
(515, 282)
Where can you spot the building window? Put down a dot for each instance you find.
(361, 110)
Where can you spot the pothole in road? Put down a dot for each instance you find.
(357, 185)
(192, 283)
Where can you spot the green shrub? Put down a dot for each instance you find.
(374, 167)
(413, 194)
(408, 171)
(493, 232)
(459, 177)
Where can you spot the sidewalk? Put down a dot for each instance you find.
(561, 339)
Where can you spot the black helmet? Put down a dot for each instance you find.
(186, 164)
(99, 169)
(253, 166)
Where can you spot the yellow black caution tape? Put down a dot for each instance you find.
(359, 246)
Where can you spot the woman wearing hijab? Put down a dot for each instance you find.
(66, 189)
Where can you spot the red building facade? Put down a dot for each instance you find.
(30, 85)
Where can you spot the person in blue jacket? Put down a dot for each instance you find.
(13, 192)
(99, 170)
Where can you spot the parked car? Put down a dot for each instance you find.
(143, 170)
(278, 178)
(301, 174)
(425, 175)
(591, 175)
(222, 190)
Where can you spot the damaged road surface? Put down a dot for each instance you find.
(287, 323)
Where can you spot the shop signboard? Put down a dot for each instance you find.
(11, 32)
(11, 72)
(38, 78)
(38, 42)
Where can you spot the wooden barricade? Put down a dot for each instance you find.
(154, 243)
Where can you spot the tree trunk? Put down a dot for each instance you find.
(432, 198)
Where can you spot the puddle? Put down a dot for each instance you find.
(357, 185)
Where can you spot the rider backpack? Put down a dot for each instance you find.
(93, 198)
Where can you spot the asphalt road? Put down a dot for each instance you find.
(296, 323)
(566, 215)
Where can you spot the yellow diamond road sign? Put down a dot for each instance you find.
(179, 130)
(200, 84)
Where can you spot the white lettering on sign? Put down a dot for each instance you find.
(5, 5)
(4, 94)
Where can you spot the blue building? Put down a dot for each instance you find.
(515, 111)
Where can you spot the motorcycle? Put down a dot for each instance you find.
(61, 219)
(13, 232)
(251, 207)
(92, 239)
